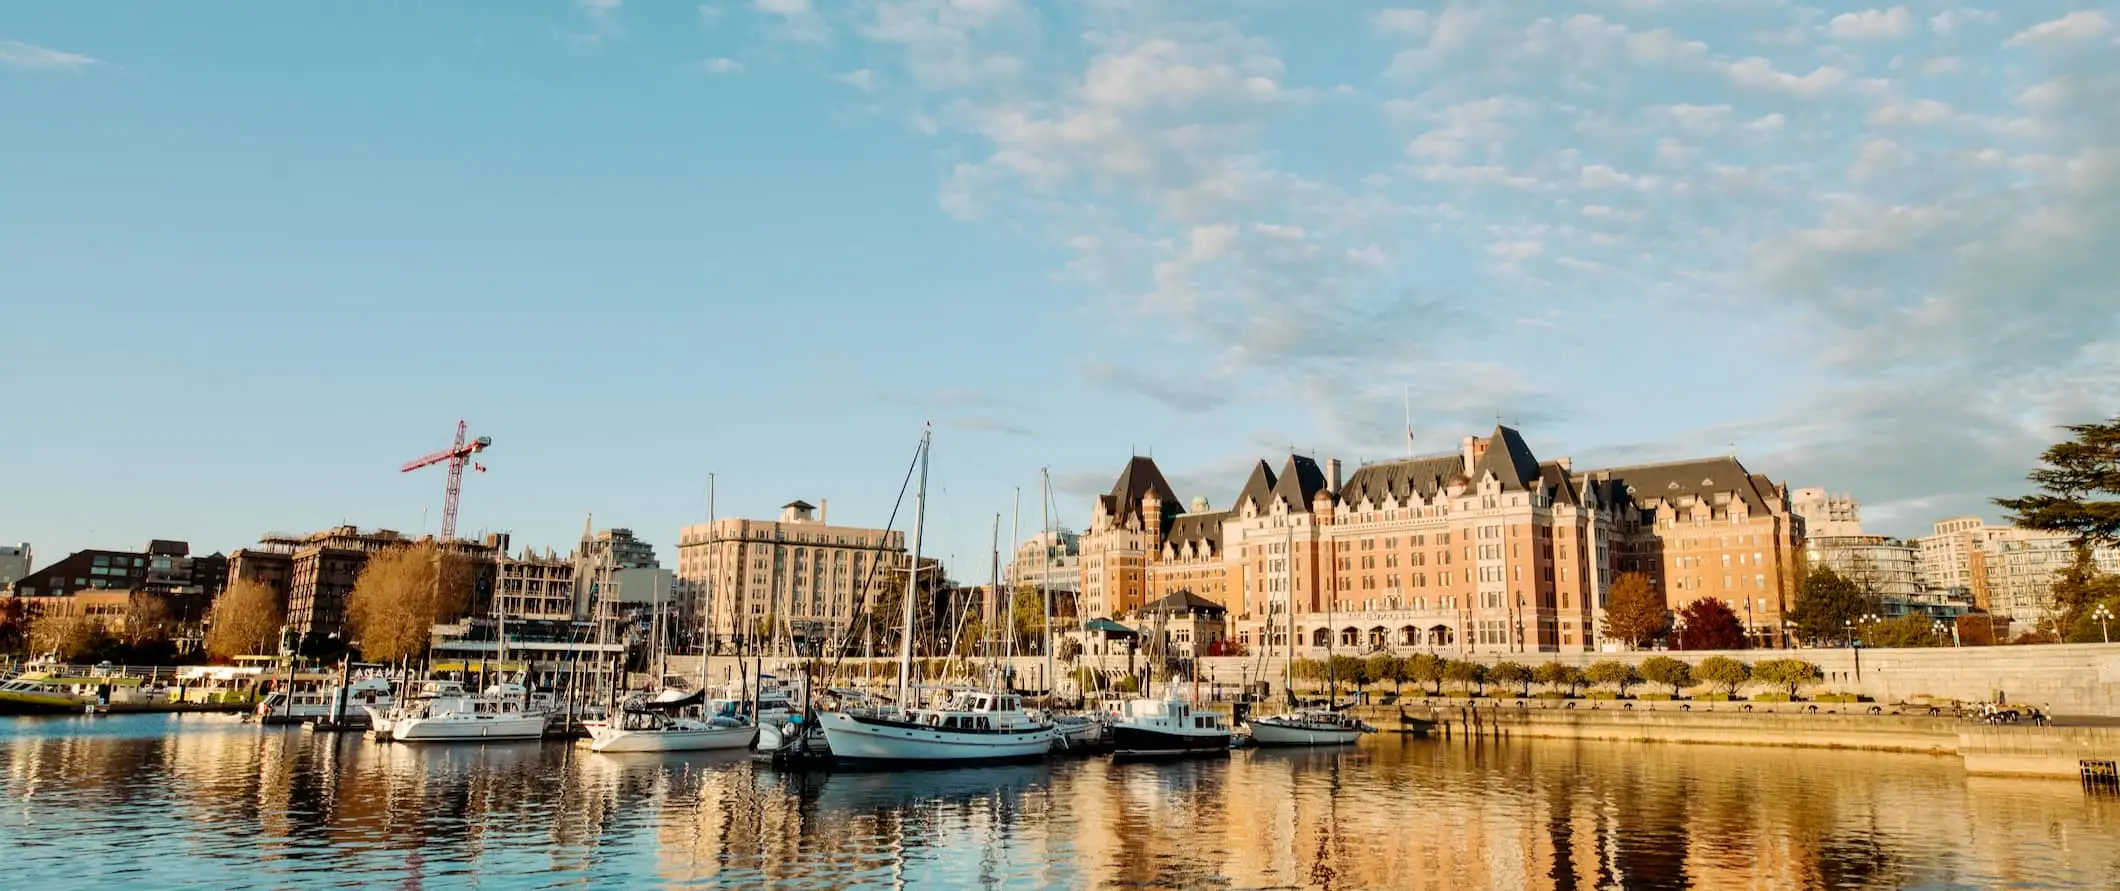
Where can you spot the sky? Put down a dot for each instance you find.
(255, 256)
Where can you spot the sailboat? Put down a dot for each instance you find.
(1312, 726)
(672, 721)
(972, 726)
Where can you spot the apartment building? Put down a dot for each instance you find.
(799, 569)
(1881, 564)
(2009, 570)
(15, 562)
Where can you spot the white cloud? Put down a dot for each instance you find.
(1757, 73)
(721, 65)
(1941, 65)
(798, 21)
(862, 79)
(1949, 21)
(941, 38)
(1515, 251)
(2082, 24)
(29, 57)
(1449, 33)
(1871, 24)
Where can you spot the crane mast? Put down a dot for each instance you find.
(456, 456)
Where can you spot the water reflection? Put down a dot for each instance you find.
(162, 802)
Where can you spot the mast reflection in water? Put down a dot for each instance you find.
(198, 801)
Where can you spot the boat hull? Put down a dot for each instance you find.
(498, 729)
(1266, 733)
(602, 738)
(856, 740)
(1141, 742)
(14, 702)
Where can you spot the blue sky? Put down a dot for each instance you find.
(254, 256)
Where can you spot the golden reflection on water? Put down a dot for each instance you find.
(212, 802)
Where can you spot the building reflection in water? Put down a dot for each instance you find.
(212, 801)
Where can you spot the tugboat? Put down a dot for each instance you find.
(1167, 728)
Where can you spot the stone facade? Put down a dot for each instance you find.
(799, 569)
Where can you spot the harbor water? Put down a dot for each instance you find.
(204, 801)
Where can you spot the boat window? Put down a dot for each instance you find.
(983, 725)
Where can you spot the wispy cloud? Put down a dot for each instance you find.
(798, 20)
(721, 65)
(30, 57)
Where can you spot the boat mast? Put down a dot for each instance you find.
(993, 603)
(1045, 579)
(1015, 534)
(912, 578)
(1288, 571)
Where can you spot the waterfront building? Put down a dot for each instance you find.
(2009, 570)
(1826, 515)
(535, 587)
(626, 551)
(15, 562)
(1879, 564)
(314, 574)
(1189, 625)
(1048, 561)
(799, 569)
(163, 567)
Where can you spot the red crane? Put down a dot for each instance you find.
(457, 455)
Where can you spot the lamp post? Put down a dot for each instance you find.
(1938, 627)
(2103, 616)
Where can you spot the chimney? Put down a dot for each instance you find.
(1566, 466)
(1465, 447)
(824, 511)
(1332, 476)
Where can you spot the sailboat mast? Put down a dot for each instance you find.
(1288, 570)
(912, 577)
(993, 608)
(1015, 534)
(1045, 578)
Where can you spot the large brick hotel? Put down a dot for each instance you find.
(1485, 550)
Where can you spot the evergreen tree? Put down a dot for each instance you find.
(1827, 607)
(2077, 470)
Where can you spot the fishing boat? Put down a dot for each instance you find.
(662, 725)
(1167, 728)
(969, 727)
(444, 712)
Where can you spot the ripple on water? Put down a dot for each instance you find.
(167, 802)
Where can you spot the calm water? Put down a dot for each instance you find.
(168, 802)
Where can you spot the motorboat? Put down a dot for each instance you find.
(443, 711)
(969, 727)
(297, 706)
(771, 706)
(1309, 727)
(1166, 728)
(57, 691)
(1078, 732)
(662, 725)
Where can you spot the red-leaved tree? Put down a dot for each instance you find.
(1708, 624)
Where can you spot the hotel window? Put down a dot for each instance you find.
(1759, 581)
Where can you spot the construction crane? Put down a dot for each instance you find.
(457, 455)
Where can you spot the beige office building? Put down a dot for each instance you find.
(743, 575)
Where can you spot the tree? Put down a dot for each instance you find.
(2087, 465)
(1386, 667)
(1978, 630)
(1070, 650)
(1723, 672)
(14, 625)
(1611, 671)
(148, 621)
(1912, 630)
(1028, 615)
(1515, 674)
(1425, 668)
(1666, 670)
(1555, 674)
(2078, 590)
(1469, 675)
(402, 593)
(1827, 606)
(1352, 670)
(245, 621)
(1788, 674)
(70, 637)
(1634, 612)
(1708, 623)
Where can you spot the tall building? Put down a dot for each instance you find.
(1825, 515)
(15, 562)
(534, 587)
(743, 573)
(1047, 561)
(1955, 558)
(314, 574)
(165, 568)
(1709, 528)
(625, 550)
(1880, 564)
(2009, 570)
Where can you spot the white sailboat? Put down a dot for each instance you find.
(969, 727)
(1304, 727)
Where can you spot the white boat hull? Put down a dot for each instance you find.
(855, 739)
(498, 728)
(604, 738)
(1266, 733)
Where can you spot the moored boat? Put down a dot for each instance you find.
(1167, 728)
(971, 727)
(1310, 727)
(444, 712)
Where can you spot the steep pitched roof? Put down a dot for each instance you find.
(1696, 477)
(1181, 601)
(1258, 488)
(1205, 528)
(1140, 477)
(1509, 459)
(1301, 480)
(1397, 479)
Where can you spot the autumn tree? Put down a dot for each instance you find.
(245, 621)
(70, 637)
(1668, 671)
(1514, 674)
(402, 594)
(1634, 612)
(1723, 672)
(1912, 630)
(2075, 474)
(1827, 607)
(14, 625)
(1708, 623)
(1425, 668)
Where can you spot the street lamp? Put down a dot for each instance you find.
(2103, 616)
(1938, 627)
